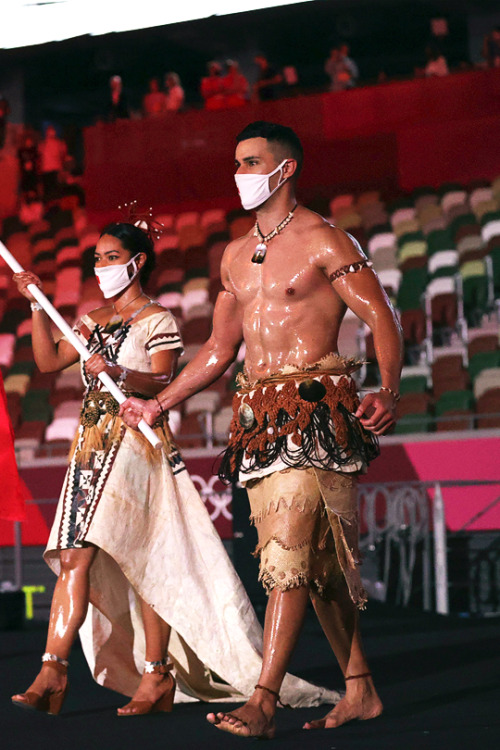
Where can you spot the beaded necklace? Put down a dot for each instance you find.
(261, 248)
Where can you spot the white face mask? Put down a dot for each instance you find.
(115, 278)
(254, 188)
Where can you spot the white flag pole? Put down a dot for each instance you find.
(51, 311)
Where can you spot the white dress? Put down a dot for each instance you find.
(155, 539)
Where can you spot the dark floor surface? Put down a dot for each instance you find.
(438, 677)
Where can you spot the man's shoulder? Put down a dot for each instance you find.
(321, 228)
(328, 240)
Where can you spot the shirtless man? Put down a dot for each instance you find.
(285, 297)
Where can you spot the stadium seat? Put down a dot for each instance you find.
(459, 403)
(475, 290)
(443, 263)
(483, 361)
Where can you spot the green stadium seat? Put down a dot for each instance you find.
(483, 361)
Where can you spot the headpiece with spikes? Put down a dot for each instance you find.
(143, 219)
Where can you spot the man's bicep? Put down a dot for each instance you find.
(340, 253)
(227, 321)
(363, 293)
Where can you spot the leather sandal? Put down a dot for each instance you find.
(49, 702)
(164, 703)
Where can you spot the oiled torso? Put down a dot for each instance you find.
(290, 312)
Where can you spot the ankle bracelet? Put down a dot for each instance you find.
(358, 676)
(273, 692)
(157, 667)
(52, 657)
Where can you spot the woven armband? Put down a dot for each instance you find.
(350, 268)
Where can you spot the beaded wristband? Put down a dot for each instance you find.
(36, 306)
(396, 395)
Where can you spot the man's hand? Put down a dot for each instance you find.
(97, 364)
(377, 412)
(134, 409)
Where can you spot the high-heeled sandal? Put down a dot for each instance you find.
(49, 702)
(164, 703)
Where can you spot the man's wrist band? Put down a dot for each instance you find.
(394, 394)
(36, 306)
(159, 404)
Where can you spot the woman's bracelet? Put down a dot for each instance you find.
(122, 376)
(35, 306)
(394, 394)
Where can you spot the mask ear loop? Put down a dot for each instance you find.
(135, 269)
(281, 168)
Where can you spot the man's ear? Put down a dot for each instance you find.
(289, 168)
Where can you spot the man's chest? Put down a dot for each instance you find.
(286, 274)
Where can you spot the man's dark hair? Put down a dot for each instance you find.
(280, 135)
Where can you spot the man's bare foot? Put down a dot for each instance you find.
(152, 688)
(254, 719)
(360, 702)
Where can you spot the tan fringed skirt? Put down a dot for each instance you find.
(307, 525)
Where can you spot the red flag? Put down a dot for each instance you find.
(13, 492)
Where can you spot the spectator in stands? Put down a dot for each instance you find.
(131, 521)
(332, 67)
(351, 71)
(234, 86)
(174, 93)
(31, 208)
(342, 70)
(267, 86)
(154, 102)
(4, 113)
(491, 48)
(118, 106)
(436, 62)
(53, 153)
(28, 157)
(290, 80)
(212, 88)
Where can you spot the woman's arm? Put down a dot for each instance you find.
(163, 367)
(49, 355)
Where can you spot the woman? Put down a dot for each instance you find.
(141, 570)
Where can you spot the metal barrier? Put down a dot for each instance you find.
(402, 519)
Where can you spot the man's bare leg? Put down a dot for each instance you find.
(340, 622)
(152, 686)
(284, 618)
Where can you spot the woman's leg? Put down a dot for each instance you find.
(67, 613)
(153, 686)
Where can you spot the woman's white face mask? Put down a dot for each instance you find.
(254, 188)
(115, 278)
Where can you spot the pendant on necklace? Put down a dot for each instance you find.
(113, 324)
(260, 253)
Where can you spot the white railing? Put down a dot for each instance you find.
(405, 520)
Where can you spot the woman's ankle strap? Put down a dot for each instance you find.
(162, 666)
(54, 661)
